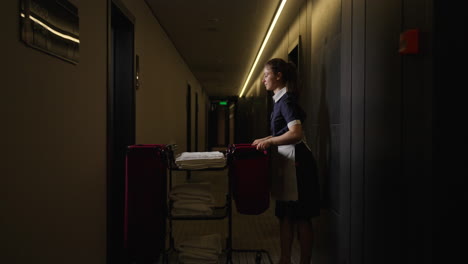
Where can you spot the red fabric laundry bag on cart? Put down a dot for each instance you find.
(145, 202)
(248, 170)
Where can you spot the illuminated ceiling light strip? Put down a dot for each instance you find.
(52, 30)
(272, 26)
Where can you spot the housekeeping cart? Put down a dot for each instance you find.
(248, 185)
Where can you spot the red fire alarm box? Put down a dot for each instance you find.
(409, 42)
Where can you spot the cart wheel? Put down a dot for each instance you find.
(258, 258)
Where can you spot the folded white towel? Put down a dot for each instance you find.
(190, 213)
(203, 249)
(192, 261)
(205, 198)
(193, 188)
(198, 254)
(201, 166)
(210, 242)
(194, 209)
(188, 259)
(185, 258)
(201, 160)
(201, 253)
(200, 155)
(192, 205)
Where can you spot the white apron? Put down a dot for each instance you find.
(284, 180)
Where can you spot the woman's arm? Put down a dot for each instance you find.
(292, 136)
(260, 140)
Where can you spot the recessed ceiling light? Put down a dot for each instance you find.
(272, 26)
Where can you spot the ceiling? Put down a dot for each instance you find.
(219, 39)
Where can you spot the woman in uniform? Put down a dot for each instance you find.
(294, 177)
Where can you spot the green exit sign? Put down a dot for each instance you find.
(222, 102)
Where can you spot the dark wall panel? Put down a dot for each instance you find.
(386, 138)
(356, 113)
(322, 102)
(417, 134)
(382, 131)
(323, 95)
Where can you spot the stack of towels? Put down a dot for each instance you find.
(201, 160)
(204, 249)
(192, 199)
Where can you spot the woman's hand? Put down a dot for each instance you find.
(264, 144)
(257, 141)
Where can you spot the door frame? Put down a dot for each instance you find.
(114, 243)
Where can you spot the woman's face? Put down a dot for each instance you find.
(271, 80)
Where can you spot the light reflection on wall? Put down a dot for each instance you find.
(51, 26)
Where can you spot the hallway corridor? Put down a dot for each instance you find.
(379, 84)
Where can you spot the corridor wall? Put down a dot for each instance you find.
(54, 117)
(53, 163)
